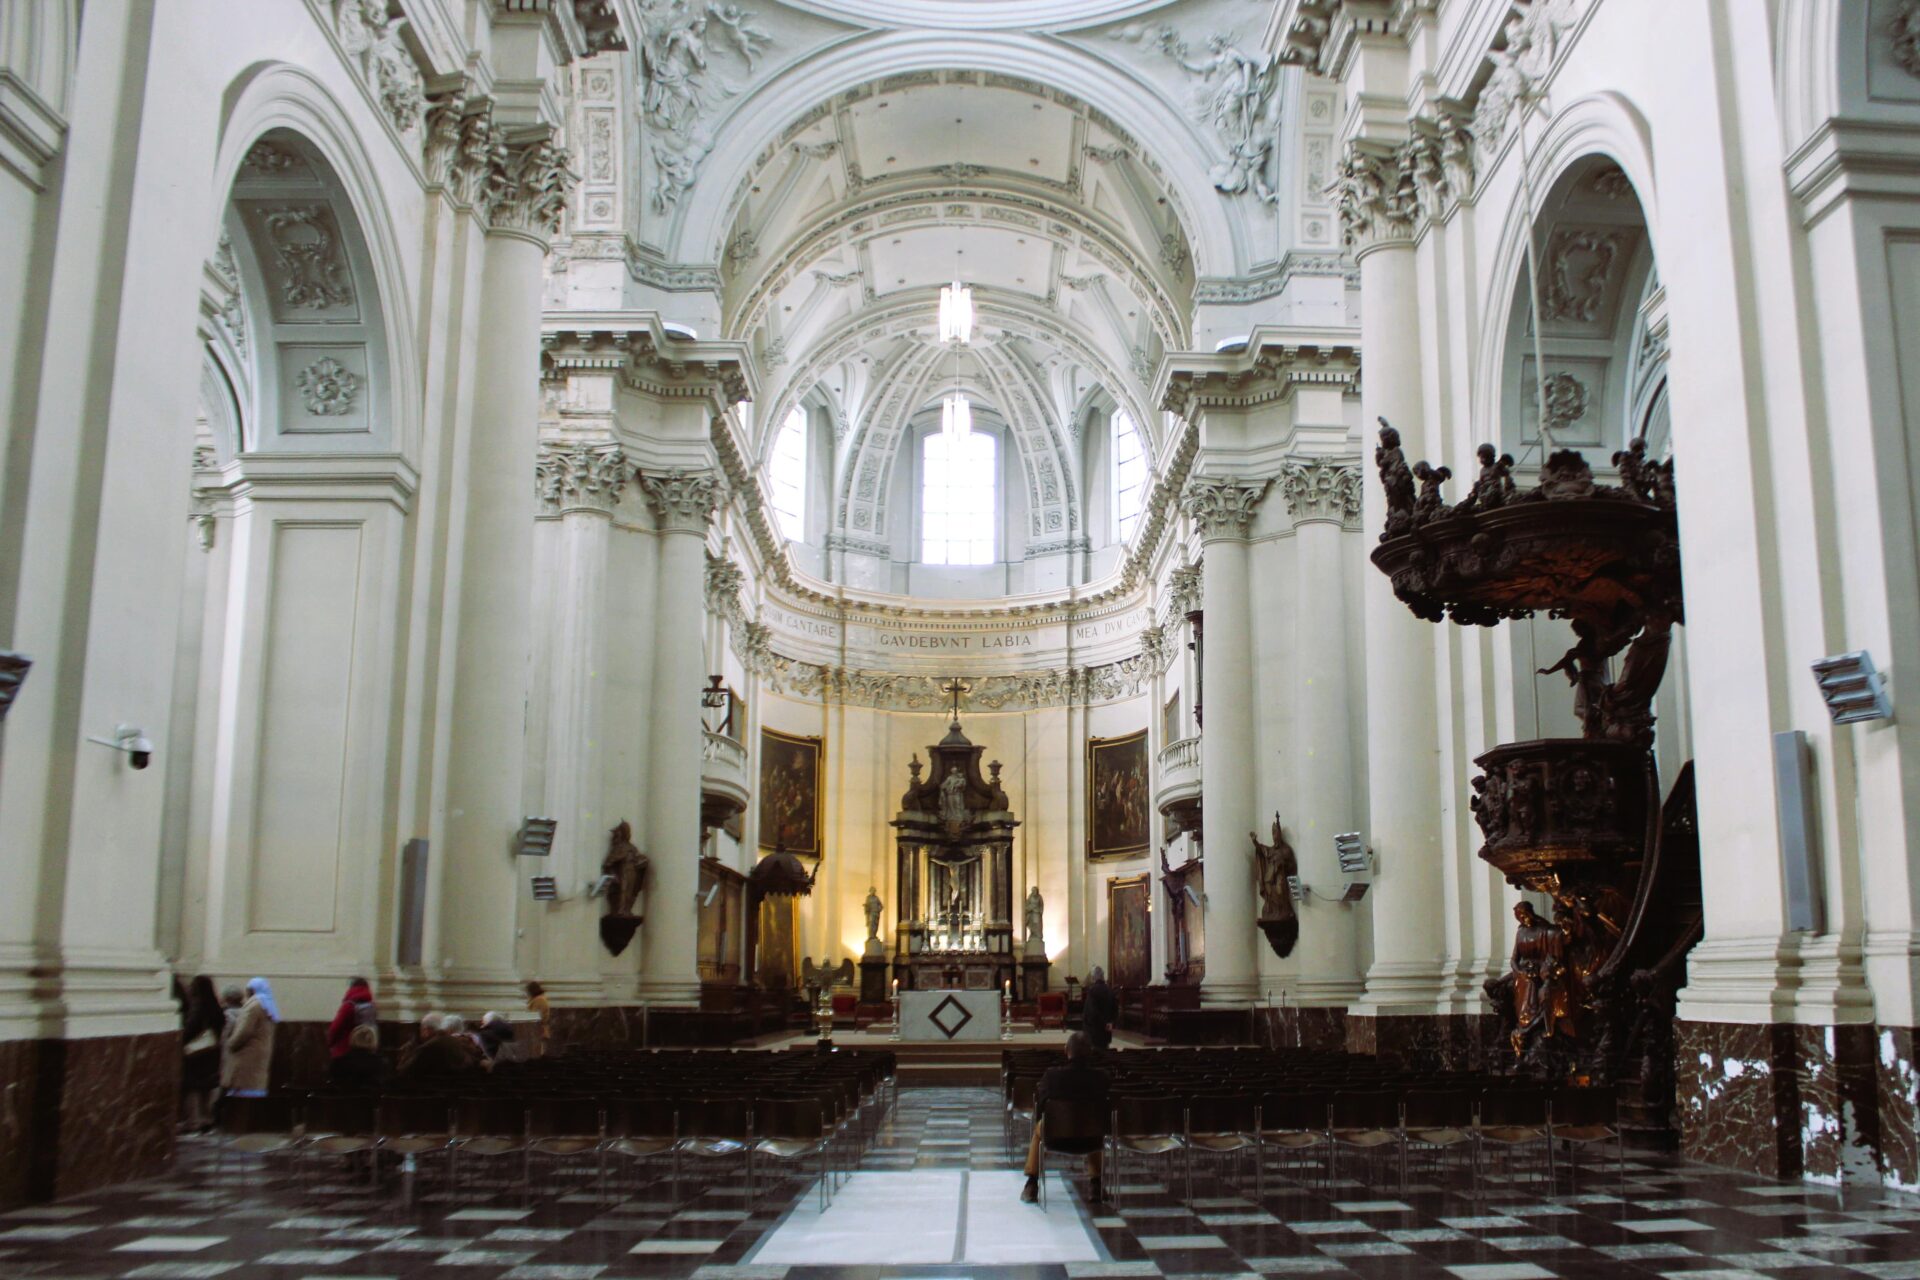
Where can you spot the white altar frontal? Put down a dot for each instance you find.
(941, 1016)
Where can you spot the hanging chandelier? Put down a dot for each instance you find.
(956, 313)
(956, 417)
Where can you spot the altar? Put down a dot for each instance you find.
(943, 1016)
(954, 904)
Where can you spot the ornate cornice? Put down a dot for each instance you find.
(652, 361)
(579, 477)
(1268, 369)
(900, 691)
(1375, 196)
(1220, 507)
(683, 501)
(1322, 489)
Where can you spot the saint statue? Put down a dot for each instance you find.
(626, 870)
(953, 798)
(873, 908)
(1540, 992)
(1277, 864)
(1036, 910)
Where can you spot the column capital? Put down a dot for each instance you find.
(527, 184)
(1439, 157)
(724, 580)
(1186, 588)
(459, 142)
(683, 501)
(1376, 196)
(579, 476)
(1222, 507)
(1323, 489)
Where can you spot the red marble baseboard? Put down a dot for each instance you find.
(81, 1114)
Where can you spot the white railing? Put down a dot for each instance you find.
(718, 747)
(1184, 754)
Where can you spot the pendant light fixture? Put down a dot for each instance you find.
(956, 415)
(956, 312)
(956, 328)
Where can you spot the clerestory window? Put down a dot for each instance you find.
(788, 472)
(1129, 474)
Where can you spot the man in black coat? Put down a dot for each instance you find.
(1099, 1009)
(1077, 1080)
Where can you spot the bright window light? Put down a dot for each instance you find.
(956, 416)
(958, 493)
(789, 475)
(956, 313)
(1129, 475)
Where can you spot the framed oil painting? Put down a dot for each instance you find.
(1119, 796)
(791, 770)
(1129, 941)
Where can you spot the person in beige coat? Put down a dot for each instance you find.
(249, 1044)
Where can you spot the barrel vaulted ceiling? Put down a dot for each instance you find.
(1079, 163)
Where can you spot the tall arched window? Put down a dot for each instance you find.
(1129, 474)
(958, 489)
(788, 472)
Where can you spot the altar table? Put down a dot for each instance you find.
(942, 1016)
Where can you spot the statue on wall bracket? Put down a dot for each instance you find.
(624, 873)
(1277, 866)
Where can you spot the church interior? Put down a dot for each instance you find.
(1037, 639)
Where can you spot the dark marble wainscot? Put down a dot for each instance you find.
(1899, 1105)
(1429, 1042)
(81, 1114)
(1839, 1103)
(1296, 1027)
(1738, 1096)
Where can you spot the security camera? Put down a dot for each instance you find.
(128, 738)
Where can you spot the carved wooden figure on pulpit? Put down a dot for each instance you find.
(1278, 867)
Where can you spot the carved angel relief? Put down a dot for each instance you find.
(681, 82)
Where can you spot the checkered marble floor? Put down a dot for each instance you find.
(289, 1219)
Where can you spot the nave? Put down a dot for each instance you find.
(936, 1174)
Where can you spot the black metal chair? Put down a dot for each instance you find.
(714, 1129)
(486, 1128)
(1070, 1128)
(1221, 1124)
(1365, 1122)
(256, 1127)
(642, 1129)
(1509, 1119)
(1439, 1121)
(561, 1127)
(1146, 1126)
(1580, 1117)
(793, 1129)
(1293, 1121)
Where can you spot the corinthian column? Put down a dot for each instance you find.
(1222, 509)
(521, 183)
(578, 486)
(683, 503)
(1377, 209)
(1323, 497)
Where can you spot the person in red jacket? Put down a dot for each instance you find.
(356, 1010)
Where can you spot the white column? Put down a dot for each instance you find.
(1403, 781)
(1223, 509)
(683, 502)
(580, 483)
(1323, 497)
(485, 788)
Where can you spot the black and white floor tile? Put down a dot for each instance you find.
(934, 1196)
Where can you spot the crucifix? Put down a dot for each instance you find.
(955, 688)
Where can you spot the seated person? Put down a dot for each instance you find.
(361, 1068)
(1078, 1080)
(450, 1052)
(495, 1033)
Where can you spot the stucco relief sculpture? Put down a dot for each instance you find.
(13, 674)
(1903, 29)
(680, 82)
(306, 249)
(624, 873)
(1232, 92)
(1532, 40)
(328, 387)
(1278, 867)
(873, 907)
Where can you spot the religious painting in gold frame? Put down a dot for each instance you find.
(792, 771)
(1129, 931)
(1119, 796)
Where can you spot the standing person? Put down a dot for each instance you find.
(542, 1009)
(1100, 1009)
(249, 1044)
(356, 1010)
(1078, 1080)
(200, 1035)
(360, 1068)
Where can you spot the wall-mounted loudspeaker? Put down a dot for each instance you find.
(1793, 789)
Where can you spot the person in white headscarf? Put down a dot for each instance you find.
(248, 1060)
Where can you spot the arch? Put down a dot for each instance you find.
(1221, 245)
(1602, 125)
(270, 97)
